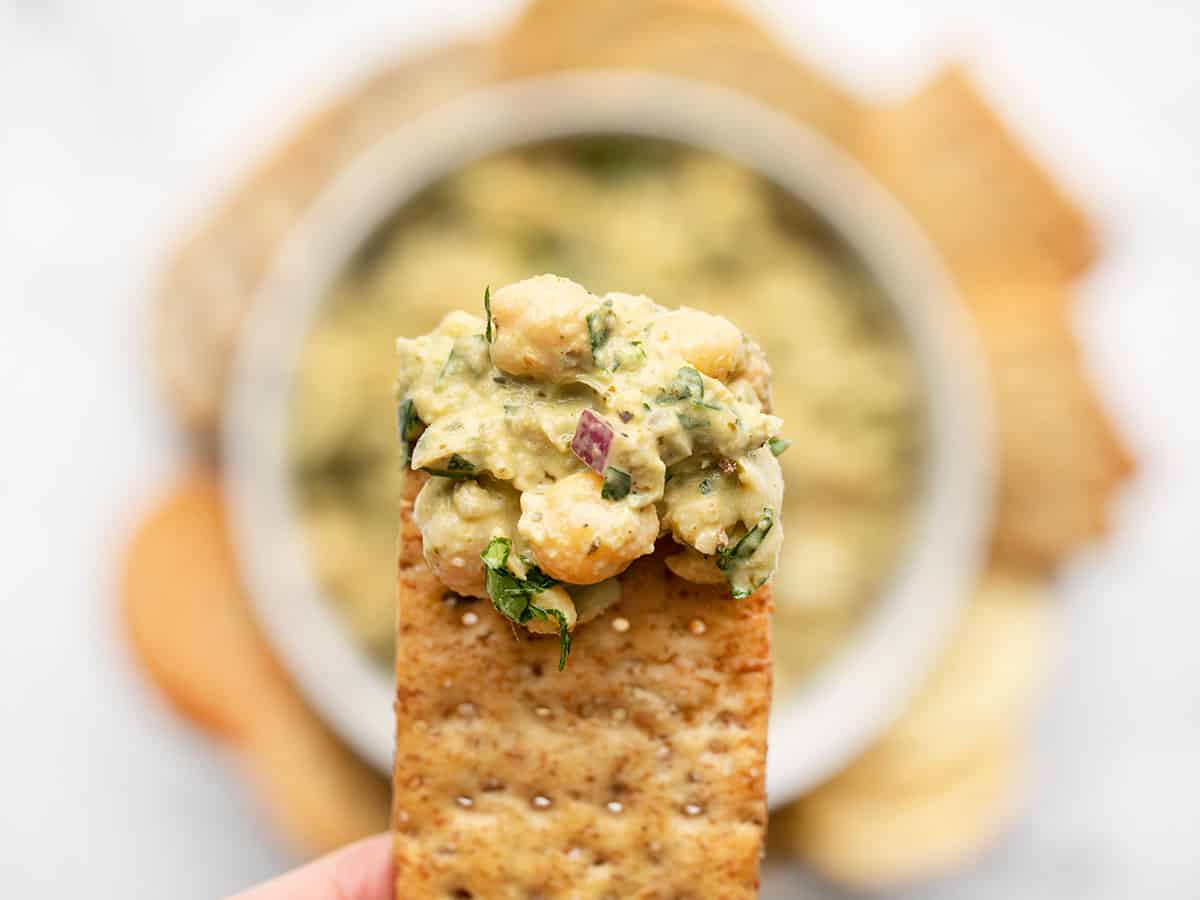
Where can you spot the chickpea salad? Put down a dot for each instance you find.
(565, 433)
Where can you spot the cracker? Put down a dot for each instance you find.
(638, 772)
(1060, 459)
(191, 628)
(186, 616)
(212, 276)
(984, 688)
(987, 205)
(550, 35)
(944, 770)
(708, 41)
(870, 840)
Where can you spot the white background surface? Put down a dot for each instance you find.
(116, 118)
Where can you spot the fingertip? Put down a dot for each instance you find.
(361, 871)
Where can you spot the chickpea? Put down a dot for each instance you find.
(554, 598)
(691, 566)
(755, 377)
(712, 344)
(540, 328)
(579, 537)
(457, 520)
(473, 501)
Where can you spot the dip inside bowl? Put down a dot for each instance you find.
(687, 227)
(648, 185)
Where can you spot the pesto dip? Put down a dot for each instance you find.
(565, 433)
(688, 228)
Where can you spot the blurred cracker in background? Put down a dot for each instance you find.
(873, 840)
(1060, 461)
(190, 625)
(210, 280)
(704, 40)
(942, 781)
(988, 206)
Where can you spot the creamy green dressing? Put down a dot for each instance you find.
(676, 440)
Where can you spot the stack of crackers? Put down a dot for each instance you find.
(944, 780)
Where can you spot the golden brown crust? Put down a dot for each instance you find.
(648, 752)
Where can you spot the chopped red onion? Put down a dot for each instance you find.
(593, 438)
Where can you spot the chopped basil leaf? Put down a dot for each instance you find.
(496, 555)
(688, 384)
(467, 355)
(750, 541)
(599, 327)
(508, 595)
(616, 484)
(706, 486)
(487, 309)
(729, 558)
(778, 445)
(564, 636)
(410, 427)
(456, 467)
(512, 595)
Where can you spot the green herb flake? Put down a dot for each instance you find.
(564, 636)
(410, 427)
(599, 327)
(690, 422)
(707, 486)
(487, 310)
(456, 467)
(688, 384)
(750, 541)
(617, 484)
(495, 557)
(512, 595)
(468, 355)
(729, 558)
(778, 445)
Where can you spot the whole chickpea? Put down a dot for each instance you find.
(540, 328)
(579, 537)
(712, 344)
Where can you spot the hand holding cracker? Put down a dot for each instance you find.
(362, 871)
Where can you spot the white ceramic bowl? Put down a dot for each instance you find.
(839, 709)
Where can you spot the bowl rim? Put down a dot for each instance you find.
(836, 711)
